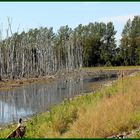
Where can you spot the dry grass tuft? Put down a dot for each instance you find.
(113, 114)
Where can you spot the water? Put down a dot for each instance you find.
(38, 97)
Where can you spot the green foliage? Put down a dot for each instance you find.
(98, 43)
(88, 45)
(130, 42)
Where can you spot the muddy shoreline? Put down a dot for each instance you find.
(7, 84)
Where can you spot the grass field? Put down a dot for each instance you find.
(109, 111)
(112, 68)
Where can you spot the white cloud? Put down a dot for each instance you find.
(118, 19)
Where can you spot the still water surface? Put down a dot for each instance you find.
(38, 97)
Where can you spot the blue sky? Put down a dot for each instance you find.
(26, 15)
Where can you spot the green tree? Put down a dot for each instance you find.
(108, 50)
(130, 42)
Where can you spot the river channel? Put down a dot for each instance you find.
(38, 97)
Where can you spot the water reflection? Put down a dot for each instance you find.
(38, 97)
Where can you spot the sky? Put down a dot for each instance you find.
(26, 15)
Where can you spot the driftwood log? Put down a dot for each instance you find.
(18, 132)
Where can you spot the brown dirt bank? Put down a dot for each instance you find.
(7, 84)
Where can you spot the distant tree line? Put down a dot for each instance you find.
(129, 49)
(40, 52)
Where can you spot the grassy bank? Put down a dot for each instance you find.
(112, 114)
(112, 68)
(109, 111)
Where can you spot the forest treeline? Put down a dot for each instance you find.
(40, 52)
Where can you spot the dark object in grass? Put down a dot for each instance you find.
(19, 131)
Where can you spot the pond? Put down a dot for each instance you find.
(38, 97)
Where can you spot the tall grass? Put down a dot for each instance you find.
(113, 114)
